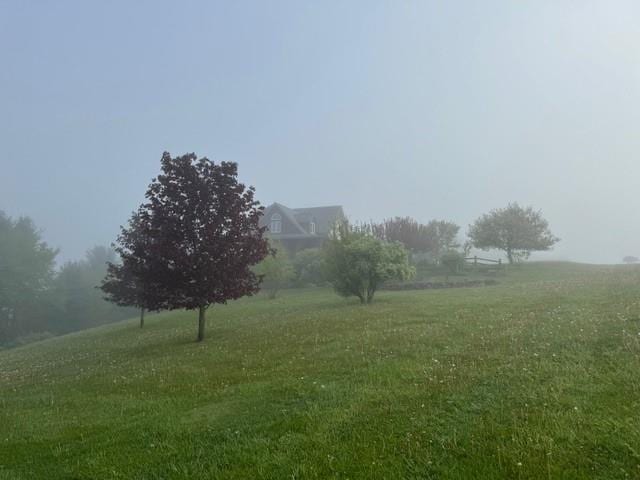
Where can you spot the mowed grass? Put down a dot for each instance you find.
(538, 377)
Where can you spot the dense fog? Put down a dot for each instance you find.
(361, 239)
(425, 109)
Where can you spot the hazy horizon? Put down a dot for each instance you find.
(429, 110)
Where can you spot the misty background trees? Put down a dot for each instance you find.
(35, 298)
(78, 303)
(275, 270)
(431, 239)
(26, 274)
(308, 267)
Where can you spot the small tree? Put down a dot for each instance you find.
(443, 236)
(453, 262)
(202, 235)
(124, 287)
(630, 259)
(515, 230)
(131, 282)
(357, 263)
(275, 270)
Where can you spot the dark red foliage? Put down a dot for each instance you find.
(193, 242)
(132, 282)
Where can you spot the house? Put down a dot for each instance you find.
(300, 228)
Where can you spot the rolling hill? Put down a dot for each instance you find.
(537, 377)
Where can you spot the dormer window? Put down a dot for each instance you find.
(276, 223)
(312, 228)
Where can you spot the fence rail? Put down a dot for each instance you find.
(483, 261)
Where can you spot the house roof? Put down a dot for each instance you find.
(291, 216)
(323, 217)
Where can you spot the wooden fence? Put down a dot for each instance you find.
(484, 263)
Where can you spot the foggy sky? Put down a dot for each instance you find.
(428, 109)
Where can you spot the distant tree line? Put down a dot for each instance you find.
(38, 299)
(434, 238)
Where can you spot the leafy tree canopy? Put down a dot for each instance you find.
(26, 272)
(515, 230)
(131, 282)
(196, 237)
(435, 237)
(309, 267)
(357, 263)
(453, 261)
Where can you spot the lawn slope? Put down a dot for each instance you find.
(537, 377)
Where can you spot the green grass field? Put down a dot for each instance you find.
(538, 377)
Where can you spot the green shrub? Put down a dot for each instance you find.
(453, 262)
(276, 271)
(357, 263)
(308, 265)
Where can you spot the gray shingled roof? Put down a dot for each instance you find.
(290, 214)
(324, 217)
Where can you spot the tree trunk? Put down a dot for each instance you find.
(510, 256)
(142, 317)
(370, 292)
(201, 322)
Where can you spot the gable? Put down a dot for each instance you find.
(297, 221)
(289, 223)
(324, 217)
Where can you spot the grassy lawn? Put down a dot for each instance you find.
(538, 377)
